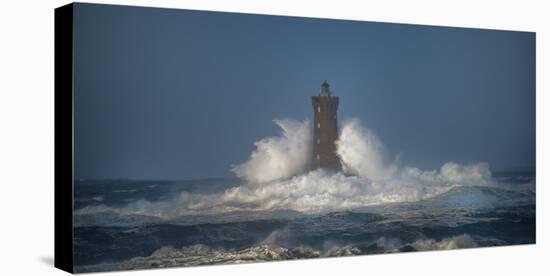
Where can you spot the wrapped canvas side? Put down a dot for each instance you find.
(64, 31)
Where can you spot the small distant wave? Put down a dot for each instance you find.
(463, 241)
(455, 242)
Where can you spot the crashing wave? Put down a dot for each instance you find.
(456, 242)
(199, 254)
(463, 241)
(204, 255)
(275, 180)
(279, 157)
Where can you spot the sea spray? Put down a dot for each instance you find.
(279, 157)
(363, 154)
(276, 177)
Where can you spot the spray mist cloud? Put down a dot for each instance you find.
(362, 153)
(277, 177)
(279, 157)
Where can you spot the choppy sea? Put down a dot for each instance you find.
(110, 236)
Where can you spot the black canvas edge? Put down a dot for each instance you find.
(64, 134)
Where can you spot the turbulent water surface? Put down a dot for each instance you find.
(278, 210)
(136, 224)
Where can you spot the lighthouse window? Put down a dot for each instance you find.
(318, 109)
(318, 157)
(318, 141)
(318, 125)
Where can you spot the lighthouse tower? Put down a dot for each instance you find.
(325, 130)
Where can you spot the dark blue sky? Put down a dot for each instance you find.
(177, 94)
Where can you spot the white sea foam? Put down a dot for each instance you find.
(204, 255)
(454, 242)
(363, 154)
(276, 178)
(368, 177)
(199, 254)
(279, 157)
(320, 191)
(462, 241)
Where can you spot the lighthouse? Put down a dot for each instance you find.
(325, 130)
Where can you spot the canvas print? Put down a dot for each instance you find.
(205, 138)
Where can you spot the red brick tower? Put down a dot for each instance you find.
(325, 130)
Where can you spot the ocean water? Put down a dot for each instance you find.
(126, 224)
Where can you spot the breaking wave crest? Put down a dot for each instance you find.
(455, 242)
(320, 191)
(194, 255)
(363, 154)
(279, 157)
(276, 178)
(199, 254)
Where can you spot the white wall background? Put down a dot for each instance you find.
(27, 138)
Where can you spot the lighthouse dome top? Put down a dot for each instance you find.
(325, 89)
